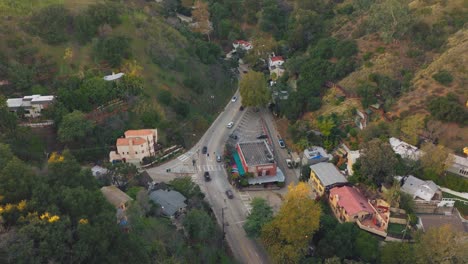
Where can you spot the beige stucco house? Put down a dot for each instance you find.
(136, 145)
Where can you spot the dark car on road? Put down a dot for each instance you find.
(233, 136)
(230, 194)
(207, 176)
(262, 136)
(241, 108)
(204, 150)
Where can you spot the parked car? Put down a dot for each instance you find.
(204, 150)
(262, 136)
(281, 143)
(233, 136)
(218, 158)
(230, 194)
(230, 124)
(234, 99)
(207, 176)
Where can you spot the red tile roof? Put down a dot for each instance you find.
(126, 141)
(277, 58)
(351, 200)
(242, 42)
(138, 133)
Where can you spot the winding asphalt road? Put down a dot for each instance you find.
(233, 210)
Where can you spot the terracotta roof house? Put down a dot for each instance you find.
(349, 204)
(136, 145)
(275, 62)
(245, 45)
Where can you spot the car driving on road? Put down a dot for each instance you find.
(230, 124)
(281, 143)
(230, 194)
(204, 150)
(207, 176)
(234, 99)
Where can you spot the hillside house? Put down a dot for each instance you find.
(120, 201)
(242, 44)
(324, 176)
(31, 104)
(314, 155)
(350, 205)
(426, 194)
(136, 145)
(459, 166)
(172, 203)
(404, 149)
(275, 62)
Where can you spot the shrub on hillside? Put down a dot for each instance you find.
(87, 23)
(443, 77)
(112, 50)
(51, 24)
(448, 109)
(346, 49)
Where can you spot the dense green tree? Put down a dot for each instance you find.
(199, 226)
(186, 187)
(8, 120)
(390, 18)
(74, 127)
(367, 94)
(121, 174)
(252, 7)
(253, 90)
(367, 247)
(397, 253)
(21, 76)
(378, 161)
(261, 214)
(448, 109)
(339, 242)
(51, 24)
(16, 180)
(305, 27)
(272, 18)
(112, 50)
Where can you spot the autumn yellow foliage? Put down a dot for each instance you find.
(287, 235)
(83, 221)
(55, 157)
(49, 218)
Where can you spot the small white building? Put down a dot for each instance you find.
(113, 76)
(404, 149)
(245, 45)
(136, 145)
(31, 104)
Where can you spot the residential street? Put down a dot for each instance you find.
(247, 127)
(235, 212)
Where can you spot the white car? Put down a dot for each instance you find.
(234, 99)
(230, 125)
